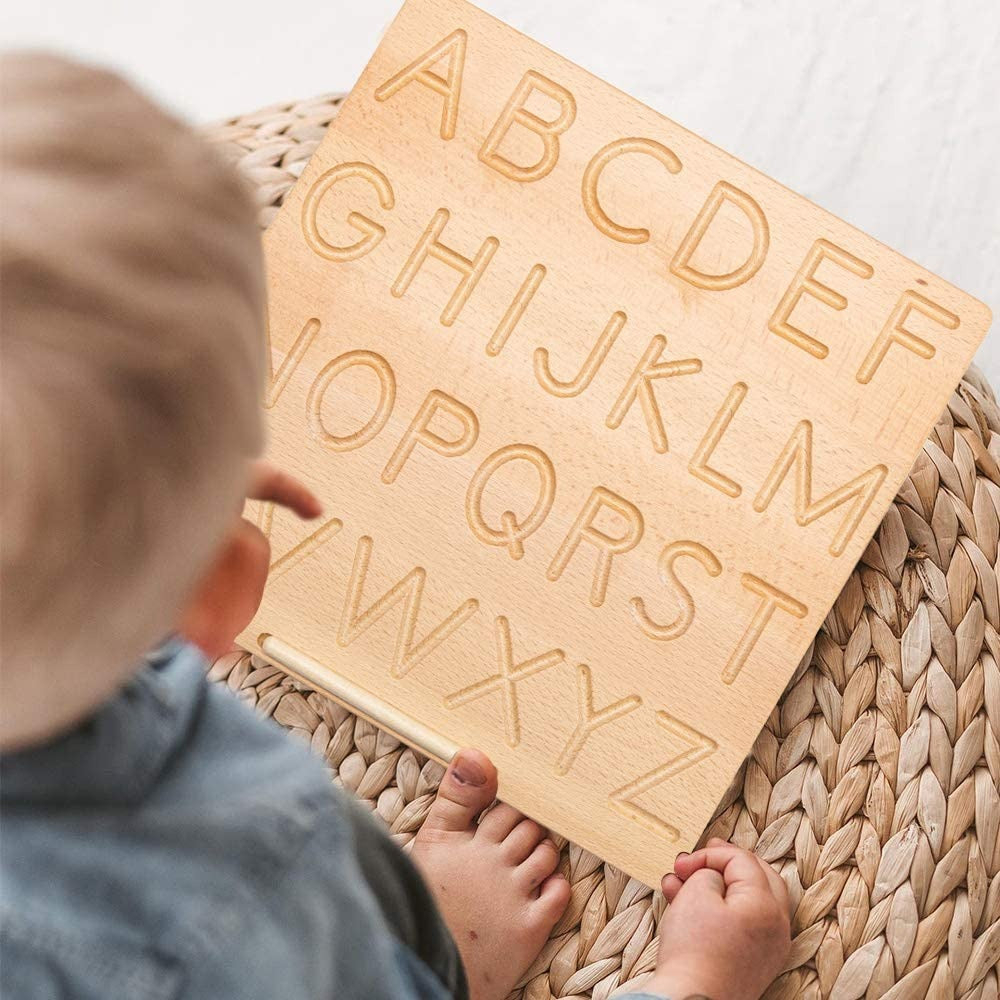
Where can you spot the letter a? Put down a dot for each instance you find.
(448, 86)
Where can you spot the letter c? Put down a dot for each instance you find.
(596, 214)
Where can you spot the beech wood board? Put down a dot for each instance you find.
(602, 419)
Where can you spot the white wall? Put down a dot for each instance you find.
(886, 112)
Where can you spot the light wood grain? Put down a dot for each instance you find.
(582, 456)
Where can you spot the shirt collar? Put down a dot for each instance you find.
(115, 755)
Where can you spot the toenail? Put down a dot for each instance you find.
(468, 772)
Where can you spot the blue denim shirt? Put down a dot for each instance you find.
(175, 845)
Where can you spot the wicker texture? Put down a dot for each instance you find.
(872, 789)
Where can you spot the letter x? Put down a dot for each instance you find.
(506, 680)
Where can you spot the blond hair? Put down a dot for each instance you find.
(131, 358)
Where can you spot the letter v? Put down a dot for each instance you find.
(290, 559)
(276, 381)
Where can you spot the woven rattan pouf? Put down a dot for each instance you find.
(873, 788)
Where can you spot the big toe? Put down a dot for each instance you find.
(467, 788)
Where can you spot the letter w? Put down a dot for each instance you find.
(409, 593)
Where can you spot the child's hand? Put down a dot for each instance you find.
(725, 934)
(267, 482)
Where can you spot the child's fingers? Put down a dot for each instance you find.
(671, 885)
(778, 887)
(777, 883)
(739, 868)
(271, 484)
(705, 880)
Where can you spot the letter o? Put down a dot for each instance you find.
(387, 397)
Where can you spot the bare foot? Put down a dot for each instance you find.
(495, 882)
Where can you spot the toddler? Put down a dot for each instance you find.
(158, 839)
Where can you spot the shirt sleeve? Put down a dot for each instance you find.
(335, 922)
(404, 899)
(389, 938)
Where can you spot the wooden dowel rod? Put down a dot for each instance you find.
(357, 699)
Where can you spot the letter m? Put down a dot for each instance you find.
(798, 453)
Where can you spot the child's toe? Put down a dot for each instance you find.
(522, 840)
(498, 822)
(553, 898)
(467, 788)
(540, 864)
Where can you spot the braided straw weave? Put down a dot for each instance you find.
(873, 787)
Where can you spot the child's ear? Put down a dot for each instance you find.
(228, 594)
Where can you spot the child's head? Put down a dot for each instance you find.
(131, 311)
